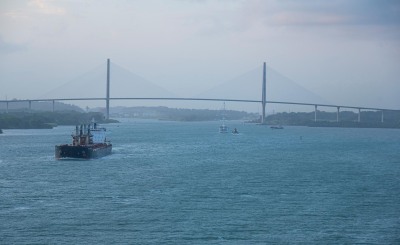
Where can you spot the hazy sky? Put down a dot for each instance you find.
(346, 51)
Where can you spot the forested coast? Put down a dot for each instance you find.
(46, 120)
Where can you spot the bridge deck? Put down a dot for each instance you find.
(203, 99)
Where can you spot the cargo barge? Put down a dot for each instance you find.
(88, 141)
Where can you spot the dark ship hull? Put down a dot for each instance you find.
(82, 151)
(88, 141)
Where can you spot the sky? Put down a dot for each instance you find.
(344, 51)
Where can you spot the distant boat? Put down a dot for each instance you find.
(223, 128)
(277, 127)
(235, 131)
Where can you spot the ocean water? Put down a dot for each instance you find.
(184, 183)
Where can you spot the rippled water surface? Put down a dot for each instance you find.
(184, 183)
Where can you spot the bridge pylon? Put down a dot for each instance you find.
(108, 90)
(264, 93)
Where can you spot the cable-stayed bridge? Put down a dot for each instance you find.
(142, 87)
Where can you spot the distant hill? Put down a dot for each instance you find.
(41, 120)
(176, 114)
(369, 119)
(39, 106)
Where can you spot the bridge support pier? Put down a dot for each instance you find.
(53, 105)
(382, 117)
(315, 113)
(108, 90)
(30, 105)
(264, 92)
(7, 107)
(337, 114)
(359, 115)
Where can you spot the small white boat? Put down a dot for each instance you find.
(223, 128)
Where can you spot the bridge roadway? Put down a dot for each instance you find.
(263, 100)
(207, 99)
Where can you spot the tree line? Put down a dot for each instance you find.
(46, 120)
(373, 119)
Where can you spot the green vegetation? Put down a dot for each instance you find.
(16, 105)
(348, 119)
(39, 120)
(174, 114)
(42, 120)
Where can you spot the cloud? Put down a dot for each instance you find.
(8, 48)
(46, 7)
(260, 18)
(15, 15)
(320, 12)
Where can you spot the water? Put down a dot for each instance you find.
(184, 183)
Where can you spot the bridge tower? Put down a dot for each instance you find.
(108, 90)
(264, 93)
